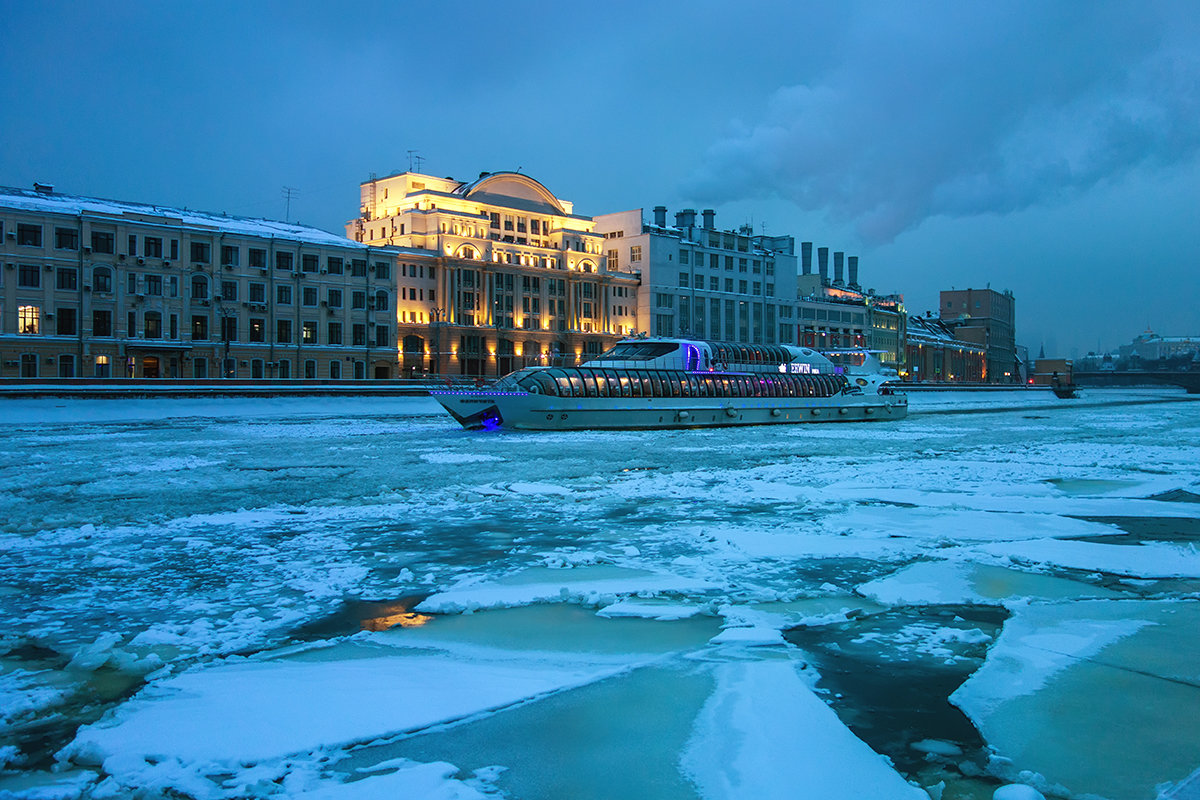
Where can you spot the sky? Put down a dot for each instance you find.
(1047, 148)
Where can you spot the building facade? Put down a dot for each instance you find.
(935, 354)
(496, 273)
(985, 317)
(101, 288)
(701, 282)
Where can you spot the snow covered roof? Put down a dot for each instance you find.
(55, 203)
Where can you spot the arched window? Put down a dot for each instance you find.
(381, 300)
(199, 287)
(467, 251)
(102, 279)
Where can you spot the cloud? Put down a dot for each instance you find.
(966, 109)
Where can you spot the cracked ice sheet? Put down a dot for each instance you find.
(582, 583)
(954, 581)
(1147, 560)
(214, 719)
(764, 734)
(1096, 696)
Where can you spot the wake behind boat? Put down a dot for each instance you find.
(683, 383)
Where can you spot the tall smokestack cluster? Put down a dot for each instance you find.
(806, 258)
(853, 264)
(839, 273)
(823, 263)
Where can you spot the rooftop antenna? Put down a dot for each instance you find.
(288, 191)
(419, 159)
(410, 157)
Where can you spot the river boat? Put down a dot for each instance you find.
(655, 383)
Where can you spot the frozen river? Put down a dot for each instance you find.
(354, 598)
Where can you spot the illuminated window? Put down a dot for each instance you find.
(258, 328)
(308, 334)
(28, 319)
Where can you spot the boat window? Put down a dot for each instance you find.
(564, 383)
(638, 351)
(576, 379)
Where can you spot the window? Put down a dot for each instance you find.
(64, 322)
(728, 262)
(614, 260)
(334, 333)
(28, 319)
(310, 366)
(283, 331)
(258, 258)
(66, 238)
(199, 328)
(199, 287)
(283, 295)
(741, 265)
(131, 324)
(285, 368)
(359, 335)
(154, 285)
(103, 242)
(741, 287)
(635, 253)
(308, 332)
(153, 247)
(382, 270)
(201, 252)
(358, 299)
(29, 276)
(131, 283)
(308, 296)
(152, 323)
(729, 284)
(683, 256)
(68, 278)
(381, 301)
(231, 255)
(258, 293)
(102, 323)
(258, 328)
(200, 368)
(683, 280)
(229, 329)
(285, 261)
(381, 335)
(29, 365)
(308, 262)
(335, 298)
(335, 370)
(358, 268)
(335, 266)
(102, 279)
(29, 235)
(229, 291)
(66, 366)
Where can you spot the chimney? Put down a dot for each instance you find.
(839, 274)
(806, 257)
(685, 218)
(660, 216)
(43, 188)
(823, 264)
(852, 264)
(708, 217)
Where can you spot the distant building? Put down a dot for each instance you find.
(934, 353)
(704, 282)
(497, 273)
(1149, 346)
(988, 318)
(103, 288)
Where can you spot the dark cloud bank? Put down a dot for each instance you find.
(963, 109)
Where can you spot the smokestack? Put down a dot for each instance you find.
(708, 217)
(660, 216)
(823, 263)
(806, 257)
(685, 218)
(839, 274)
(852, 263)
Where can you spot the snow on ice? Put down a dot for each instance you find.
(352, 597)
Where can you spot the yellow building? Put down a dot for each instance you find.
(495, 274)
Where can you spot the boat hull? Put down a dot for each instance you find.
(520, 411)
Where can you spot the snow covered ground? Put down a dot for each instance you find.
(353, 598)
